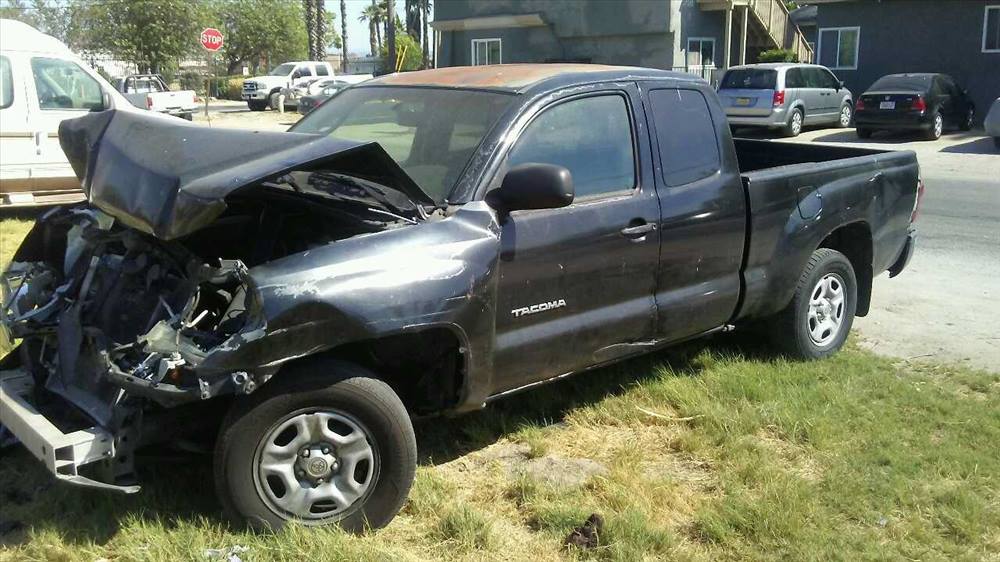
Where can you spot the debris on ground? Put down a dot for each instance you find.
(587, 535)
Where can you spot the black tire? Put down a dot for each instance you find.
(966, 123)
(935, 131)
(328, 386)
(791, 129)
(255, 105)
(863, 133)
(840, 116)
(996, 142)
(790, 328)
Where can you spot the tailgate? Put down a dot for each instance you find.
(743, 102)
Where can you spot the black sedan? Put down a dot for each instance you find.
(928, 103)
(309, 103)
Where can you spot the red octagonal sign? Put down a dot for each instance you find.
(211, 39)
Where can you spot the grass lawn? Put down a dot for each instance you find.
(715, 450)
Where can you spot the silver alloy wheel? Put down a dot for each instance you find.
(796, 122)
(826, 310)
(845, 116)
(938, 126)
(315, 465)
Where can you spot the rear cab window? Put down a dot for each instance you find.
(686, 139)
(749, 79)
(321, 70)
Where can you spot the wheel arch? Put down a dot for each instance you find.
(854, 240)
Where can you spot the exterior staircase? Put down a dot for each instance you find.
(768, 22)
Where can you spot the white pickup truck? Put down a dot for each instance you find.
(258, 91)
(150, 91)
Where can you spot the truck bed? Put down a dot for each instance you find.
(873, 190)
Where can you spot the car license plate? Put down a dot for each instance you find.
(742, 101)
(887, 105)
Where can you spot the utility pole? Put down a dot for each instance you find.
(390, 33)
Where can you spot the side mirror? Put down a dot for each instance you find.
(532, 186)
(840, 85)
(296, 75)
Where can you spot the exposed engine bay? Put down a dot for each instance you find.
(108, 313)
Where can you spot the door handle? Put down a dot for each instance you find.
(875, 178)
(638, 231)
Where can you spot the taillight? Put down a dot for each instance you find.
(860, 104)
(919, 104)
(916, 204)
(149, 102)
(779, 98)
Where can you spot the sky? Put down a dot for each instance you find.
(357, 32)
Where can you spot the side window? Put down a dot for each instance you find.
(591, 137)
(814, 78)
(305, 70)
(685, 131)
(6, 84)
(831, 80)
(61, 84)
(321, 70)
(793, 78)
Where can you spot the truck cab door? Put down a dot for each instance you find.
(576, 283)
(703, 212)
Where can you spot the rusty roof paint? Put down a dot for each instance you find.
(510, 76)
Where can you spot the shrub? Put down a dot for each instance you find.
(778, 55)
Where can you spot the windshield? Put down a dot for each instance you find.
(906, 82)
(430, 132)
(749, 78)
(282, 70)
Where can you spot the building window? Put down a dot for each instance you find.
(991, 30)
(486, 51)
(700, 54)
(838, 47)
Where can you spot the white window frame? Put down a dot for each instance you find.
(986, 19)
(487, 40)
(839, 30)
(712, 66)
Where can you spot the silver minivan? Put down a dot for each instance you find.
(784, 96)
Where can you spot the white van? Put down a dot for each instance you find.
(42, 83)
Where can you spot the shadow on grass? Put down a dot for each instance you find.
(180, 488)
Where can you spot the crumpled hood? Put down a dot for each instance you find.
(169, 178)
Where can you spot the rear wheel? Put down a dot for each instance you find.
(863, 133)
(256, 105)
(936, 129)
(329, 444)
(794, 125)
(816, 322)
(846, 113)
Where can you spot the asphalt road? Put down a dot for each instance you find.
(946, 305)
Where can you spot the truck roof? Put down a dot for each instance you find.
(520, 77)
(19, 36)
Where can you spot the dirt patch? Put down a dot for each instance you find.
(515, 460)
(795, 459)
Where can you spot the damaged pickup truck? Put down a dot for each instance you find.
(423, 243)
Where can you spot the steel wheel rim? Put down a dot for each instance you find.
(845, 116)
(315, 465)
(938, 126)
(796, 122)
(827, 306)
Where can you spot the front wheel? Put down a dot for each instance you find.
(329, 444)
(966, 123)
(816, 322)
(256, 105)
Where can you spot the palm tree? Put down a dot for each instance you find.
(343, 36)
(374, 15)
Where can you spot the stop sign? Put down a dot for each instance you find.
(211, 39)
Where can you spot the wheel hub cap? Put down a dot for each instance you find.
(315, 466)
(826, 310)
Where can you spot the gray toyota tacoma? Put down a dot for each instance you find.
(423, 243)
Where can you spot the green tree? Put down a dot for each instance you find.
(409, 56)
(261, 33)
(152, 34)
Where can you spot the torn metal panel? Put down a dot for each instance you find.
(178, 184)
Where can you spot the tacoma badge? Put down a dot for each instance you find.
(540, 307)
